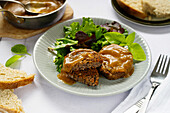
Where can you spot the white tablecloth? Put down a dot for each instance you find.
(42, 97)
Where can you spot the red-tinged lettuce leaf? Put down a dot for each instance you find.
(84, 40)
(113, 27)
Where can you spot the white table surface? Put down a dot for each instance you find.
(42, 97)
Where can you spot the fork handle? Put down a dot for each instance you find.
(148, 98)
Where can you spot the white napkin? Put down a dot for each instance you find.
(159, 103)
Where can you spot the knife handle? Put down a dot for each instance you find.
(148, 98)
(135, 108)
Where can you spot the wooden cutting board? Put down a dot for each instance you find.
(7, 30)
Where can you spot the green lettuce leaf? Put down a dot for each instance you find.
(70, 31)
(87, 27)
(115, 37)
(130, 38)
(63, 42)
(137, 52)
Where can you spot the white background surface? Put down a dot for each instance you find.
(42, 97)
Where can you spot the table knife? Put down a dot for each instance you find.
(135, 108)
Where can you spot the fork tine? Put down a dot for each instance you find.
(164, 64)
(167, 68)
(157, 63)
(161, 63)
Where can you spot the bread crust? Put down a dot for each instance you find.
(131, 10)
(4, 108)
(8, 110)
(17, 83)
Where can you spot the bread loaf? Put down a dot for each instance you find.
(158, 8)
(9, 102)
(144, 8)
(13, 78)
(133, 7)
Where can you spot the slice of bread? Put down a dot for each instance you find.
(133, 7)
(9, 102)
(13, 78)
(158, 8)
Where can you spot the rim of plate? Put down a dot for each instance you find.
(91, 94)
(161, 23)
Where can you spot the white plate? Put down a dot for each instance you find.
(44, 62)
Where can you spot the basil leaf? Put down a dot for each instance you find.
(115, 37)
(12, 60)
(130, 38)
(137, 52)
(19, 49)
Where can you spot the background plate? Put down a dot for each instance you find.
(127, 16)
(44, 62)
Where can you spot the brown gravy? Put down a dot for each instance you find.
(76, 56)
(63, 76)
(117, 59)
(69, 62)
(49, 6)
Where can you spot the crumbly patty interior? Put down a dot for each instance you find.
(8, 74)
(84, 64)
(87, 76)
(9, 100)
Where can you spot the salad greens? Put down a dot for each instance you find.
(89, 35)
(63, 46)
(60, 57)
(87, 27)
(63, 42)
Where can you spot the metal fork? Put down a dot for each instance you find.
(158, 75)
